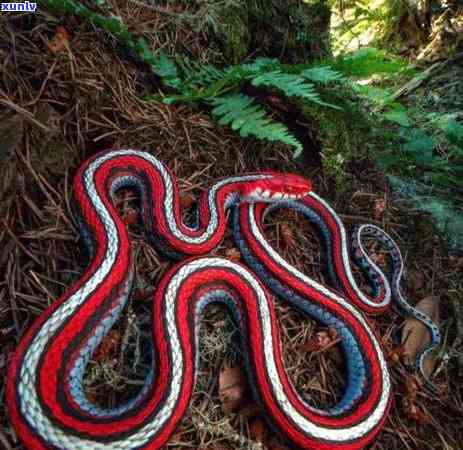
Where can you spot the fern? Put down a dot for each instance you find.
(194, 82)
(162, 65)
(291, 85)
(447, 216)
(369, 61)
(243, 115)
(322, 74)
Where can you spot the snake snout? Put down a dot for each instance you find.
(279, 187)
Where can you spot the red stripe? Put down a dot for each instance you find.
(339, 262)
(363, 409)
(192, 289)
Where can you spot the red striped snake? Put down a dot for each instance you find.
(45, 396)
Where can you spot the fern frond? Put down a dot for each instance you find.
(197, 74)
(260, 64)
(243, 115)
(322, 74)
(291, 85)
(161, 64)
(369, 61)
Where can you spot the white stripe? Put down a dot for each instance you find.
(345, 257)
(339, 434)
(169, 194)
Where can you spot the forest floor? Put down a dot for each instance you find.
(63, 99)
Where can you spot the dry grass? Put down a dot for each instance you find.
(63, 108)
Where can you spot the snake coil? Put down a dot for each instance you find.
(45, 395)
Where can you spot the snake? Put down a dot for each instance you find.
(45, 394)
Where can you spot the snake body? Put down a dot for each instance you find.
(45, 397)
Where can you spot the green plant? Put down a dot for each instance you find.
(424, 158)
(365, 21)
(221, 88)
(417, 150)
(242, 114)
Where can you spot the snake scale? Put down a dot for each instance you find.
(45, 395)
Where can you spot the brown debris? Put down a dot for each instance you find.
(416, 335)
(232, 389)
(60, 41)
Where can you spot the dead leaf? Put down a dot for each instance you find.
(379, 208)
(416, 336)
(108, 346)
(233, 254)
(414, 412)
(273, 444)
(215, 447)
(378, 258)
(130, 217)
(186, 201)
(456, 262)
(141, 295)
(59, 42)
(232, 388)
(257, 430)
(396, 354)
(322, 340)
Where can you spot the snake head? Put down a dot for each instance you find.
(277, 187)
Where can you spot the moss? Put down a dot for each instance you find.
(234, 34)
(291, 30)
(343, 135)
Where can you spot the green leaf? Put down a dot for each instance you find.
(377, 95)
(243, 115)
(397, 116)
(388, 160)
(322, 74)
(419, 142)
(291, 85)
(366, 62)
(454, 132)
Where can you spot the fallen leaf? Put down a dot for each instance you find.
(456, 262)
(409, 406)
(414, 412)
(130, 217)
(186, 201)
(396, 354)
(141, 295)
(215, 447)
(273, 444)
(108, 346)
(378, 258)
(322, 340)
(416, 336)
(59, 42)
(379, 208)
(232, 388)
(257, 430)
(233, 254)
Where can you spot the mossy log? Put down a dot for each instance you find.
(291, 30)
